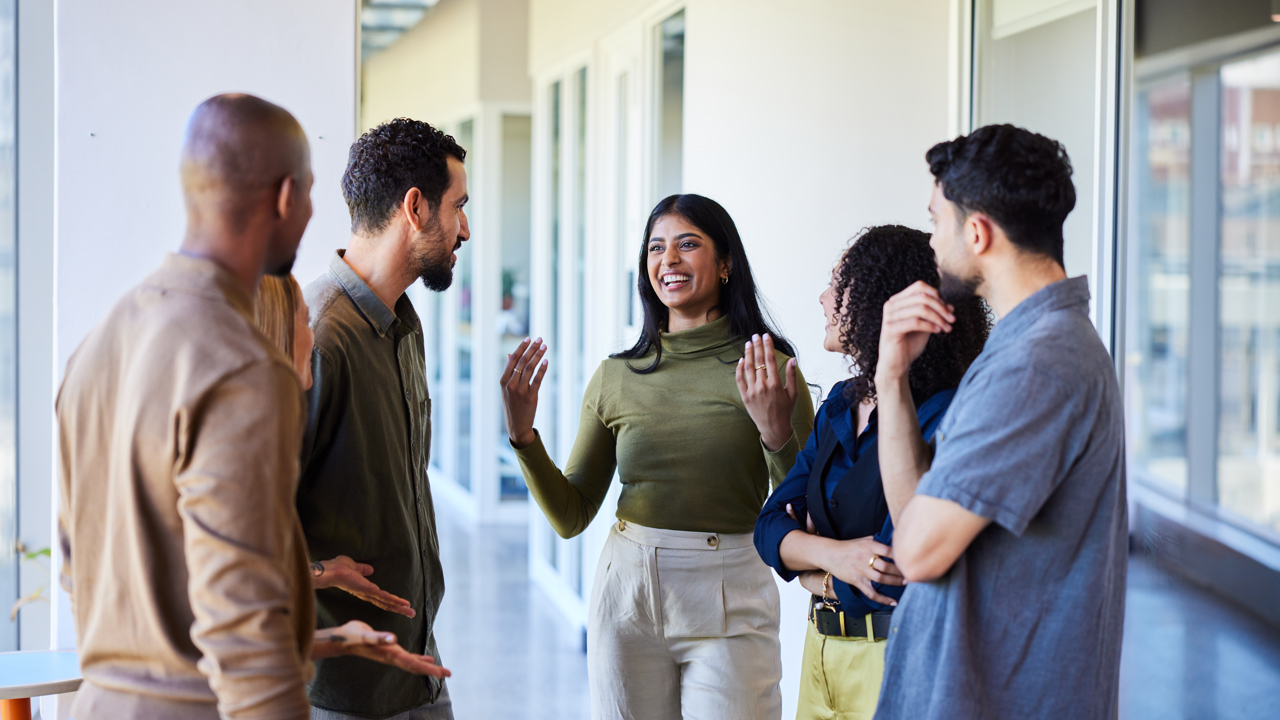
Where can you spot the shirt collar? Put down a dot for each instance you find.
(1070, 294)
(381, 317)
(204, 278)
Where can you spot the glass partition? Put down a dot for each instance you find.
(513, 311)
(670, 105)
(8, 318)
(580, 233)
(549, 395)
(1249, 291)
(1158, 315)
(462, 281)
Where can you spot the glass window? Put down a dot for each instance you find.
(670, 102)
(580, 232)
(627, 255)
(1158, 314)
(8, 317)
(549, 395)
(1249, 292)
(462, 281)
(513, 312)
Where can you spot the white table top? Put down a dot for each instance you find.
(38, 672)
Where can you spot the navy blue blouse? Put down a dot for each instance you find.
(835, 416)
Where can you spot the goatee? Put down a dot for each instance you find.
(956, 290)
(437, 278)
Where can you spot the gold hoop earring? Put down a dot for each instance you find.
(724, 280)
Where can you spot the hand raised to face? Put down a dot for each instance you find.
(910, 318)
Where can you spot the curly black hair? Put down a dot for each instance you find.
(390, 159)
(1020, 179)
(880, 263)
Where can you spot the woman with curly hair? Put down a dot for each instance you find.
(829, 523)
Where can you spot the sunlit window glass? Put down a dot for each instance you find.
(1249, 287)
(1159, 286)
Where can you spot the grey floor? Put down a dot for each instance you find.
(1187, 654)
(512, 654)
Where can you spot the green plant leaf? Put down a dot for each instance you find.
(42, 552)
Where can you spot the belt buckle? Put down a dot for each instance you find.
(820, 608)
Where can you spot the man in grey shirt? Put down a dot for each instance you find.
(364, 491)
(1012, 530)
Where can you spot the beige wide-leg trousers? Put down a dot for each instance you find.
(683, 625)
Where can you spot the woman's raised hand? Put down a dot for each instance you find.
(768, 401)
(520, 382)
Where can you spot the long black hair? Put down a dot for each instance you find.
(739, 300)
(880, 263)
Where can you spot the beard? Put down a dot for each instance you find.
(956, 290)
(432, 259)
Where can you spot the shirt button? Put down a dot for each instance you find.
(834, 503)
(713, 541)
(895, 631)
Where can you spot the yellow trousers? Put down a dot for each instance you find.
(839, 677)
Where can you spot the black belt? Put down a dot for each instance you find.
(834, 623)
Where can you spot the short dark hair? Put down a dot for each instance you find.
(390, 159)
(1020, 179)
(881, 262)
(739, 299)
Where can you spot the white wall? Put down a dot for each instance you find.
(127, 76)
(809, 121)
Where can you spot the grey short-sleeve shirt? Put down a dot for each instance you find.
(1028, 622)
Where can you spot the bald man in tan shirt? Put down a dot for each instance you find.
(180, 428)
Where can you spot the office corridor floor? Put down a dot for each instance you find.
(1187, 655)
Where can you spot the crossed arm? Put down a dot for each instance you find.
(930, 533)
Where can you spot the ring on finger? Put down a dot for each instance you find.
(872, 564)
(760, 367)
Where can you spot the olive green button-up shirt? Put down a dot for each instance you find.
(364, 490)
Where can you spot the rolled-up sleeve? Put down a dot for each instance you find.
(236, 482)
(774, 524)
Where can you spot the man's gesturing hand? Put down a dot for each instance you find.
(357, 638)
(346, 574)
(768, 401)
(910, 317)
(520, 382)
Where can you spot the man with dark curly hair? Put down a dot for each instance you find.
(1011, 526)
(364, 491)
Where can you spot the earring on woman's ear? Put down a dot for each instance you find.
(724, 280)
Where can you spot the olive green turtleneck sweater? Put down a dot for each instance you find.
(687, 453)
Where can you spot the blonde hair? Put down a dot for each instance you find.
(275, 306)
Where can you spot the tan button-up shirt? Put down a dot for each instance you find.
(180, 428)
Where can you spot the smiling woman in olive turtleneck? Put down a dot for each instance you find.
(695, 470)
